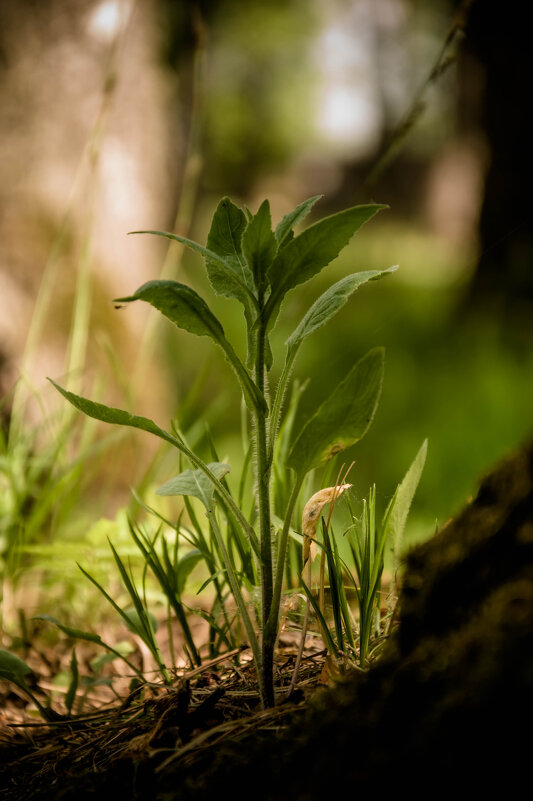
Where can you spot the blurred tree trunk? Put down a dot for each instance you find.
(498, 51)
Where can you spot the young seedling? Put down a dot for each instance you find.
(310, 517)
(249, 262)
(368, 543)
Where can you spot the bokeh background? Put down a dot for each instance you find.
(117, 115)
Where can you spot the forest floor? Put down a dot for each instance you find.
(152, 727)
(445, 705)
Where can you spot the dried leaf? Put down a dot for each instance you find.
(311, 514)
(330, 671)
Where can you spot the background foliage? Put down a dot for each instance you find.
(125, 115)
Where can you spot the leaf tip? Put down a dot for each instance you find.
(56, 385)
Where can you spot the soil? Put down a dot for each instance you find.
(446, 708)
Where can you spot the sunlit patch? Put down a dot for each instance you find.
(108, 18)
(346, 114)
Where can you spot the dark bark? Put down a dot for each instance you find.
(498, 62)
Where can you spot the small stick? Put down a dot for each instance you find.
(217, 660)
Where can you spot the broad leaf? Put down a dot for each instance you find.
(225, 235)
(186, 566)
(305, 255)
(187, 310)
(182, 305)
(225, 278)
(329, 303)
(343, 418)
(259, 244)
(195, 483)
(108, 414)
(284, 228)
(230, 276)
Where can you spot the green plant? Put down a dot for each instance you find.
(368, 541)
(15, 670)
(346, 638)
(249, 262)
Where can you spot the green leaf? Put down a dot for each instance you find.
(305, 255)
(284, 228)
(329, 303)
(222, 272)
(343, 418)
(76, 634)
(326, 634)
(137, 618)
(195, 483)
(212, 578)
(186, 309)
(397, 511)
(74, 681)
(335, 583)
(135, 624)
(181, 305)
(231, 275)
(225, 235)
(109, 414)
(186, 566)
(259, 244)
(12, 668)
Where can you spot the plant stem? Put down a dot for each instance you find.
(271, 628)
(263, 466)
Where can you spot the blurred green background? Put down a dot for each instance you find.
(118, 115)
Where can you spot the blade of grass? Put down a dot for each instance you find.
(326, 634)
(166, 575)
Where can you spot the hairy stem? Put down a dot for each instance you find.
(271, 628)
(263, 467)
